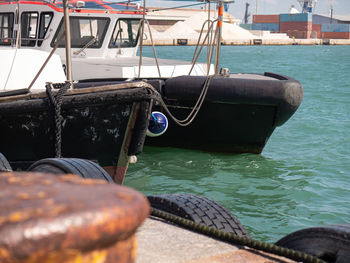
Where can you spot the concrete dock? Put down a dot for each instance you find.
(161, 242)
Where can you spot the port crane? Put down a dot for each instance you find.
(246, 14)
(307, 5)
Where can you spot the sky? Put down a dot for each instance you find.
(340, 7)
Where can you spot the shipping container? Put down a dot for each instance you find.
(316, 31)
(336, 35)
(316, 27)
(266, 18)
(273, 27)
(335, 28)
(302, 26)
(302, 17)
(298, 34)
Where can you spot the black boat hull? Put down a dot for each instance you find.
(239, 113)
(95, 126)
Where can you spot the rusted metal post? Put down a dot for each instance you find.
(48, 218)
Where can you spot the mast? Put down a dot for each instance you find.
(67, 39)
(18, 37)
(218, 44)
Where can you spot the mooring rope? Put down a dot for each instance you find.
(192, 115)
(210, 45)
(56, 102)
(236, 239)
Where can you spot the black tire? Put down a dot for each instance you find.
(82, 167)
(4, 164)
(330, 243)
(200, 210)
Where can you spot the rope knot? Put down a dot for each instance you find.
(56, 102)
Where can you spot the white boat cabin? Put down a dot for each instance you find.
(104, 38)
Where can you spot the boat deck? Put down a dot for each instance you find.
(250, 76)
(127, 67)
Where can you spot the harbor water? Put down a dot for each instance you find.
(301, 179)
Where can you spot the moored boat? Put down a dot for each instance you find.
(106, 124)
(238, 113)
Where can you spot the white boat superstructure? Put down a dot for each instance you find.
(14, 61)
(104, 42)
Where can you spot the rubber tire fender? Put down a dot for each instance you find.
(4, 164)
(199, 209)
(82, 167)
(330, 243)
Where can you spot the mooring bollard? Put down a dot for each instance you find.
(49, 218)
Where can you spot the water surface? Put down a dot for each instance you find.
(302, 178)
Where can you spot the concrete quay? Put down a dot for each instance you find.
(161, 242)
(250, 42)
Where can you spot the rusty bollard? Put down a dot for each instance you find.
(65, 219)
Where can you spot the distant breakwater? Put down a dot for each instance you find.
(248, 42)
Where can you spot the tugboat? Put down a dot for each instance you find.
(41, 119)
(208, 108)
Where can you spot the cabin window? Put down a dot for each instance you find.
(126, 33)
(6, 28)
(86, 32)
(29, 27)
(45, 21)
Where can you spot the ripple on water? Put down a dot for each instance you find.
(301, 179)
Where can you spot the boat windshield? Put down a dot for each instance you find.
(86, 32)
(33, 28)
(6, 28)
(126, 33)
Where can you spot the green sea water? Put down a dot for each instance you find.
(301, 179)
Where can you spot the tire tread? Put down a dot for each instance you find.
(82, 167)
(200, 210)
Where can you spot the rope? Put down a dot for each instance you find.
(210, 52)
(141, 29)
(56, 102)
(236, 239)
(192, 115)
(189, 119)
(154, 50)
(210, 23)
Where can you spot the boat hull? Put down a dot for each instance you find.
(95, 126)
(220, 128)
(238, 115)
